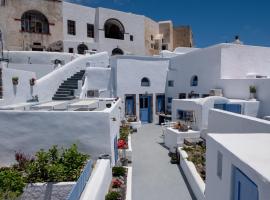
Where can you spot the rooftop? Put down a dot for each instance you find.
(258, 157)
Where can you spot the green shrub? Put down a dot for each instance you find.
(11, 183)
(113, 196)
(56, 165)
(118, 171)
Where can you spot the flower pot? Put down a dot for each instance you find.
(15, 82)
(252, 96)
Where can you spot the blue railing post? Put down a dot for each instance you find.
(78, 188)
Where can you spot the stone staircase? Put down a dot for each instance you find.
(66, 89)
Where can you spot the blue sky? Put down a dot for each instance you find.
(212, 21)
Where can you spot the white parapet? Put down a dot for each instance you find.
(194, 179)
(98, 184)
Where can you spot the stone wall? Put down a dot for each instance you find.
(182, 37)
(10, 23)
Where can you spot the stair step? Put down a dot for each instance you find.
(62, 95)
(73, 79)
(63, 98)
(70, 84)
(68, 87)
(63, 92)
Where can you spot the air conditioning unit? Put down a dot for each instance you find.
(216, 92)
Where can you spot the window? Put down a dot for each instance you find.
(152, 37)
(170, 99)
(160, 103)
(170, 83)
(90, 31)
(70, 50)
(34, 22)
(82, 48)
(130, 105)
(131, 37)
(92, 93)
(117, 51)
(219, 164)
(194, 81)
(114, 29)
(182, 96)
(145, 82)
(71, 27)
(2, 2)
(164, 47)
(152, 46)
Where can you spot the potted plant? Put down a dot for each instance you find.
(252, 91)
(32, 81)
(15, 80)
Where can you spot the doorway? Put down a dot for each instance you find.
(146, 108)
(243, 188)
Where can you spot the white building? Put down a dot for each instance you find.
(62, 26)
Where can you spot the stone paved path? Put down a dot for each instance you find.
(154, 177)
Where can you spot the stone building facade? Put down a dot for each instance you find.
(56, 25)
(182, 37)
(31, 25)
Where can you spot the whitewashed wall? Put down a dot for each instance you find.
(97, 78)
(92, 131)
(99, 183)
(47, 85)
(129, 70)
(221, 189)
(239, 60)
(20, 93)
(82, 15)
(226, 122)
(209, 64)
(37, 57)
(133, 24)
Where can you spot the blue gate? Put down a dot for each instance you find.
(115, 149)
(244, 188)
(235, 108)
(145, 108)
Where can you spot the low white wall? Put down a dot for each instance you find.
(47, 85)
(173, 138)
(37, 57)
(30, 131)
(20, 93)
(99, 182)
(226, 122)
(40, 69)
(195, 181)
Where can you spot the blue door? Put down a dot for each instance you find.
(115, 149)
(145, 108)
(160, 104)
(244, 188)
(130, 105)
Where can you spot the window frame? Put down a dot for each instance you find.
(90, 30)
(71, 27)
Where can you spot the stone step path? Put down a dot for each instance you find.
(154, 177)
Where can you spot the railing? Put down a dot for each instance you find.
(79, 187)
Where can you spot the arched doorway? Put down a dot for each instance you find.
(33, 21)
(117, 51)
(82, 48)
(114, 29)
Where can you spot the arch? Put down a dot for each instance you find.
(145, 82)
(33, 21)
(114, 29)
(117, 51)
(194, 81)
(82, 48)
